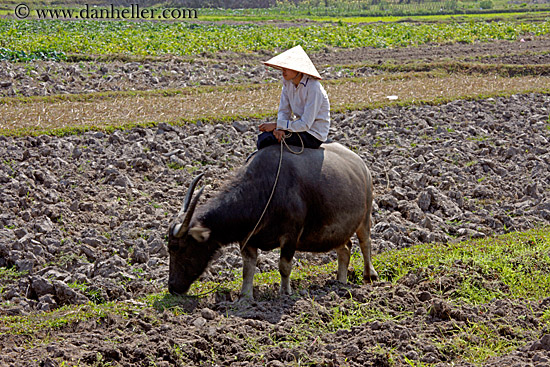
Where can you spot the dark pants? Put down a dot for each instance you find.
(266, 139)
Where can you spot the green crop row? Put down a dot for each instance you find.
(370, 8)
(22, 56)
(182, 38)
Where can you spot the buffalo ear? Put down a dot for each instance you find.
(201, 234)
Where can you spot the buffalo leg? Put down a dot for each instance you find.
(363, 233)
(344, 254)
(285, 268)
(250, 257)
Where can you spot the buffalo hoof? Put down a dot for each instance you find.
(245, 297)
(285, 291)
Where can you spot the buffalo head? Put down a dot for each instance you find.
(190, 247)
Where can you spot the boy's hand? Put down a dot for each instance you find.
(279, 134)
(268, 126)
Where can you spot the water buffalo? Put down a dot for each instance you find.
(323, 196)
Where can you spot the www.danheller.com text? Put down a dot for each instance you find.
(134, 11)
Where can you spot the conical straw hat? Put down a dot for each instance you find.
(294, 59)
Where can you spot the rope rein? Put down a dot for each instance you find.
(283, 141)
(287, 147)
(266, 205)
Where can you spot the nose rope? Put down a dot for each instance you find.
(200, 295)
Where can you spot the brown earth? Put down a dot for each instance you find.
(93, 209)
(396, 324)
(528, 51)
(531, 51)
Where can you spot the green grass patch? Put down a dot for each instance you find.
(63, 316)
(477, 342)
(9, 276)
(22, 56)
(515, 265)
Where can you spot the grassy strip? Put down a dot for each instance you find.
(66, 315)
(503, 70)
(535, 14)
(517, 260)
(358, 9)
(107, 111)
(300, 7)
(520, 261)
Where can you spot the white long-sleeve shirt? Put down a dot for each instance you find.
(309, 103)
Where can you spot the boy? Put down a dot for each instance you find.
(302, 96)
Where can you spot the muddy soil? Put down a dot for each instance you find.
(43, 78)
(408, 323)
(498, 51)
(86, 217)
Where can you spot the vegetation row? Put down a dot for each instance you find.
(277, 8)
(182, 38)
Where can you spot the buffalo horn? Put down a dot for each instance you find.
(189, 194)
(180, 229)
